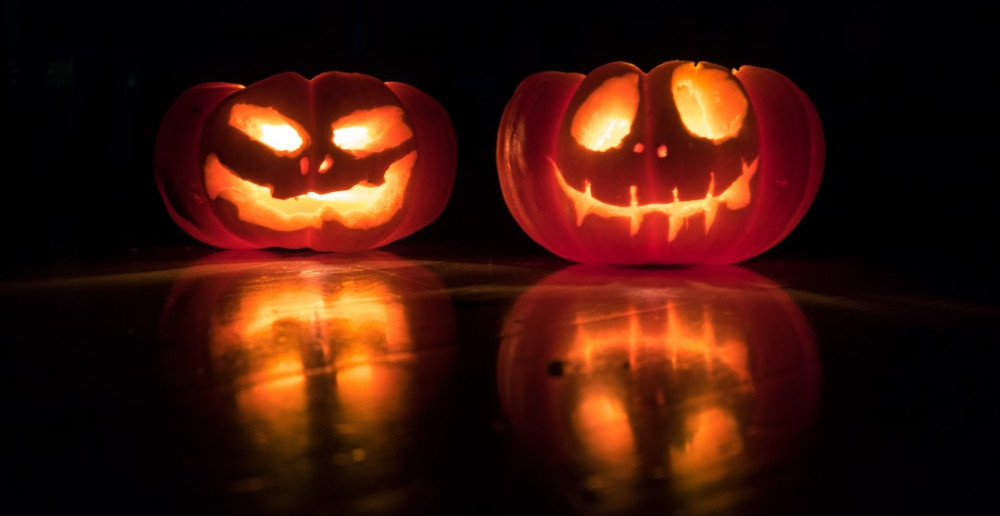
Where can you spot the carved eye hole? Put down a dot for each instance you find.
(269, 127)
(367, 131)
(605, 118)
(710, 102)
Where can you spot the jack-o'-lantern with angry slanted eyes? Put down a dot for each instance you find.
(690, 163)
(342, 162)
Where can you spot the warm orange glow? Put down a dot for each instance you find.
(369, 313)
(325, 164)
(737, 196)
(683, 340)
(710, 101)
(359, 313)
(362, 206)
(282, 334)
(367, 131)
(358, 325)
(266, 125)
(661, 151)
(714, 438)
(372, 325)
(602, 424)
(605, 118)
(678, 336)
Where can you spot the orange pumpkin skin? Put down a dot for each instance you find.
(342, 162)
(652, 186)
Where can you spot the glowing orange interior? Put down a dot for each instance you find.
(269, 127)
(710, 101)
(276, 333)
(362, 206)
(683, 338)
(714, 437)
(601, 422)
(605, 118)
(736, 197)
(367, 131)
(686, 340)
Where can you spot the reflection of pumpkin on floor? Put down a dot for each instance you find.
(308, 365)
(690, 163)
(688, 377)
(342, 162)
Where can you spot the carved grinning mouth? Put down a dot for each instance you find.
(362, 206)
(736, 197)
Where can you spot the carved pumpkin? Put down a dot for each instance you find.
(342, 162)
(292, 369)
(676, 380)
(690, 163)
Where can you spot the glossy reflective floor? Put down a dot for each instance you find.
(199, 382)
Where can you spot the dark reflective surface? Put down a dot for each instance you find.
(186, 381)
(649, 388)
(291, 373)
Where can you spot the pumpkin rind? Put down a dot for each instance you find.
(208, 162)
(779, 149)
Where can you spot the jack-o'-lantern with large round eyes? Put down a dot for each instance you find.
(689, 163)
(342, 162)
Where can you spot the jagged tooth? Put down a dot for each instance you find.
(751, 169)
(636, 219)
(710, 211)
(738, 195)
(675, 227)
(582, 207)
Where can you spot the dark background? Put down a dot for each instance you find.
(909, 108)
(904, 95)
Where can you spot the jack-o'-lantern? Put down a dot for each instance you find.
(638, 389)
(342, 162)
(690, 163)
(292, 370)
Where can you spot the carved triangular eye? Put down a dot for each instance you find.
(605, 118)
(710, 101)
(367, 131)
(269, 127)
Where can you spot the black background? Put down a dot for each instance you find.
(905, 97)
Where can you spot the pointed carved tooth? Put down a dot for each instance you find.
(675, 226)
(710, 210)
(677, 197)
(582, 207)
(751, 169)
(634, 223)
(710, 206)
(636, 219)
(738, 195)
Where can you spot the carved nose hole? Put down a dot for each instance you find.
(638, 148)
(661, 151)
(304, 165)
(326, 164)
